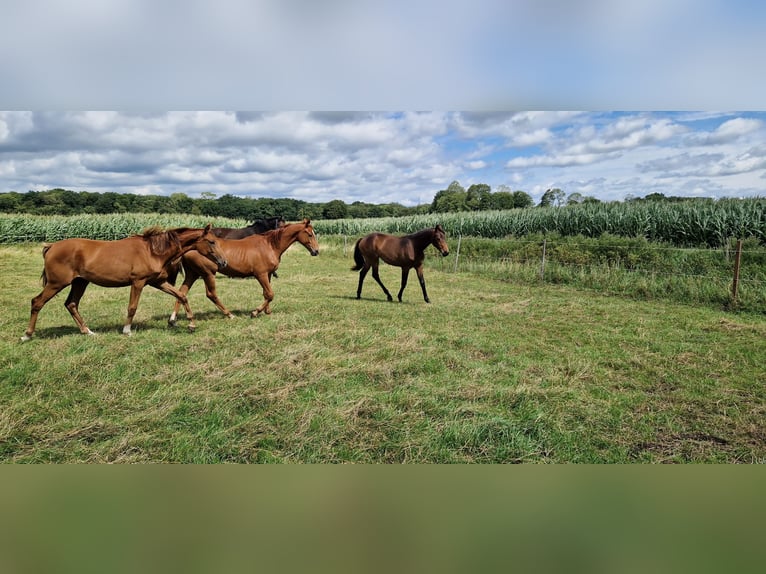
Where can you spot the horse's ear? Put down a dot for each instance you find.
(439, 227)
(208, 227)
(306, 221)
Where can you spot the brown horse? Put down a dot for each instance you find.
(405, 252)
(255, 256)
(137, 261)
(256, 227)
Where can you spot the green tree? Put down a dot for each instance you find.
(575, 198)
(335, 209)
(451, 199)
(552, 197)
(522, 199)
(478, 197)
(181, 203)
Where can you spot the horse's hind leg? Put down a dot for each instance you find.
(72, 304)
(405, 275)
(186, 286)
(48, 292)
(268, 295)
(362, 275)
(376, 276)
(213, 295)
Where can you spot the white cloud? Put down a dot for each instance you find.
(405, 157)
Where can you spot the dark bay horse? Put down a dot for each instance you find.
(254, 256)
(137, 261)
(256, 227)
(406, 252)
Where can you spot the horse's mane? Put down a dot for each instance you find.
(161, 241)
(274, 236)
(423, 232)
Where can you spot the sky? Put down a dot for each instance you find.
(382, 157)
(136, 96)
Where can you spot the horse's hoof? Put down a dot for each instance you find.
(25, 338)
(192, 328)
(172, 324)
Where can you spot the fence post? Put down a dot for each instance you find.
(457, 253)
(542, 264)
(737, 259)
(344, 244)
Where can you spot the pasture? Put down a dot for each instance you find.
(492, 371)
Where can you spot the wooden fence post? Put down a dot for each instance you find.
(542, 264)
(737, 259)
(457, 253)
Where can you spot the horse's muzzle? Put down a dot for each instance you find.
(222, 263)
(445, 253)
(314, 252)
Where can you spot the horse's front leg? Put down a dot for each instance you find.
(181, 298)
(268, 295)
(419, 271)
(135, 296)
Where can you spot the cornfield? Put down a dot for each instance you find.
(701, 223)
(23, 228)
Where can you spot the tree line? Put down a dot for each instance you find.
(455, 198)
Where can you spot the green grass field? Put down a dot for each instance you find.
(491, 371)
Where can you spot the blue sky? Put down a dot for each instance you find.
(493, 61)
(382, 157)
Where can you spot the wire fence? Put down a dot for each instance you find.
(637, 269)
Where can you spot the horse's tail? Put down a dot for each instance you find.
(358, 259)
(44, 275)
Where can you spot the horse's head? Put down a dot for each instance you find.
(308, 238)
(440, 241)
(207, 246)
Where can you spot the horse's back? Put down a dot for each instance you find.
(231, 233)
(106, 263)
(244, 257)
(392, 249)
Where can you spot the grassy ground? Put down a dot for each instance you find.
(490, 371)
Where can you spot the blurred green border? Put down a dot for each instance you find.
(701, 518)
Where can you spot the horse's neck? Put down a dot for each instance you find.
(178, 249)
(283, 238)
(422, 239)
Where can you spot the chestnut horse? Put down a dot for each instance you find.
(405, 252)
(137, 261)
(254, 256)
(258, 226)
